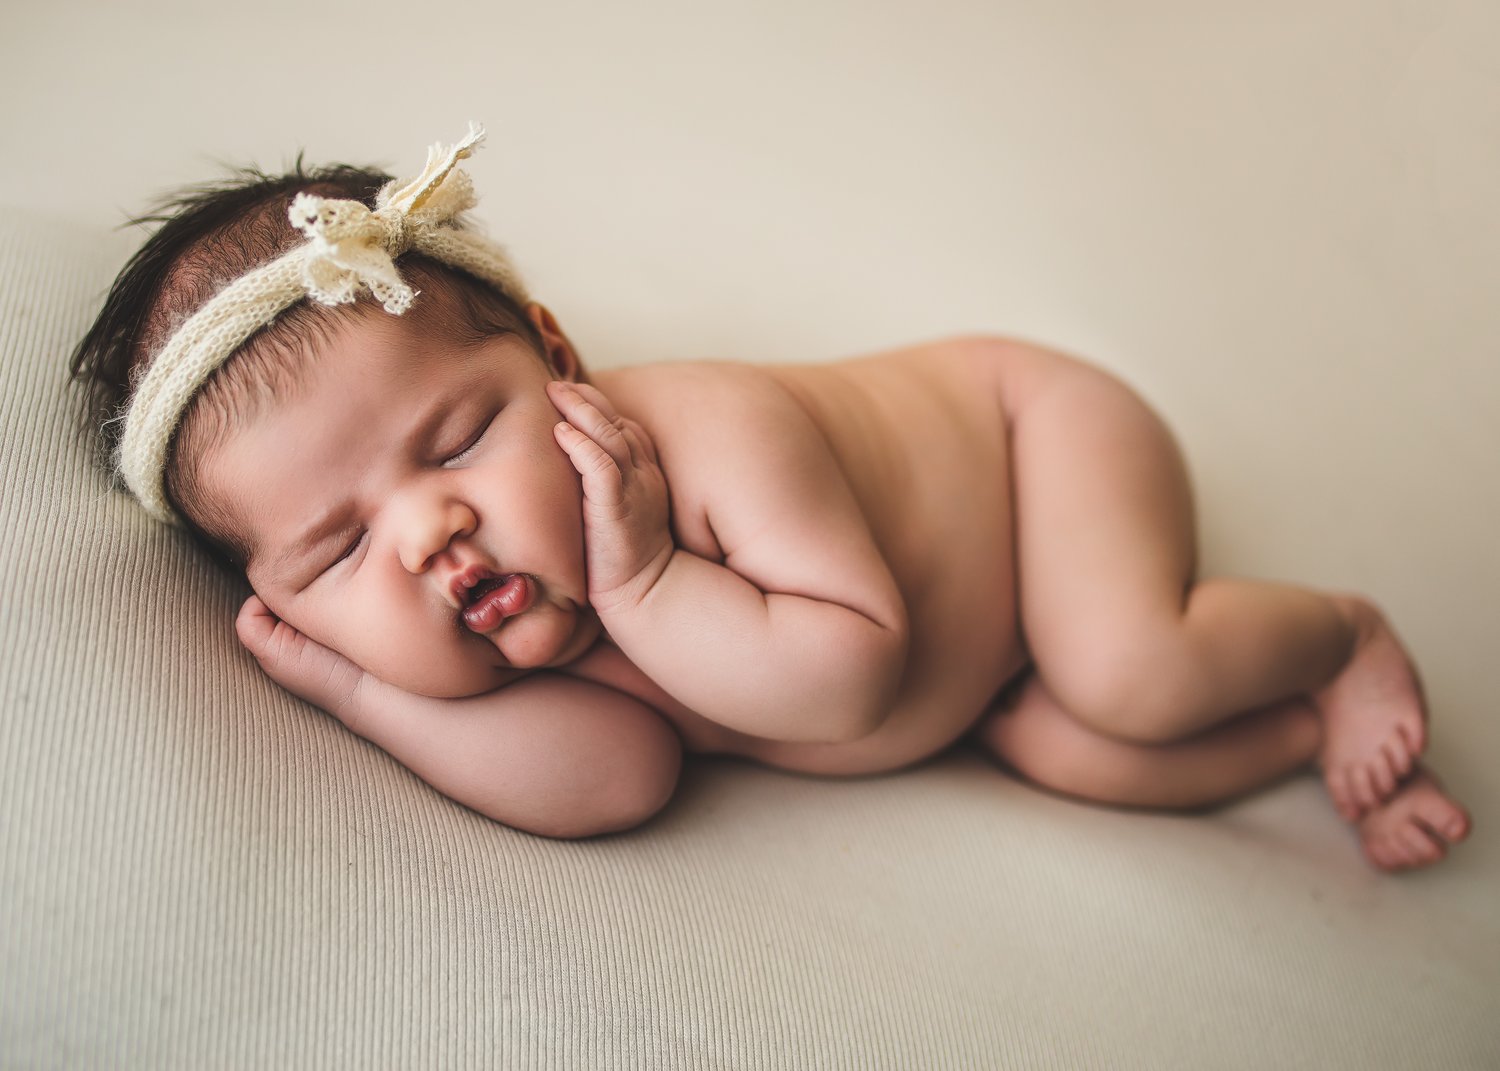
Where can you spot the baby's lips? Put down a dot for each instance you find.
(500, 602)
(460, 583)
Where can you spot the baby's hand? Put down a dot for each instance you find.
(625, 506)
(302, 666)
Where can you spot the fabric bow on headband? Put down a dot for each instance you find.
(348, 246)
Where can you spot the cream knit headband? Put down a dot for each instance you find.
(348, 246)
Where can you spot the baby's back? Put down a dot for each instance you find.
(920, 436)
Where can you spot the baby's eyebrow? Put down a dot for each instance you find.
(430, 423)
(328, 524)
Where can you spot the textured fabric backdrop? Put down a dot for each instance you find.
(198, 871)
(1278, 220)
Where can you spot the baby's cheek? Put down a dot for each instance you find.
(411, 646)
(438, 665)
(352, 636)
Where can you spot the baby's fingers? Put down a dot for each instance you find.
(595, 397)
(604, 429)
(602, 480)
(641, 445)
(255, 624)
(301, 665)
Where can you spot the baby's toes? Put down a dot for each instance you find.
(1362, 778)
(1333, 781)
(1412, 731)
(1398, 756)
(1399, 846)
(1400, 852)
(1381, 852)
(1422, 848)
(1445, 819)
(1336, 780)
(1382, 776)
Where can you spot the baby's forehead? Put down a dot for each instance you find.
(351, 387)
(314, 343)
(289, 378)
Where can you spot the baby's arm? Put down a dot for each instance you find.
(801, 633)
(547, 754)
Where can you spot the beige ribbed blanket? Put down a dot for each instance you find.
(197, 871)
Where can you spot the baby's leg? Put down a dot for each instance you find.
(1034, 736)
(1130, 644)
(1045, 744)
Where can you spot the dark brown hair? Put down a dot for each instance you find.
(207, 236)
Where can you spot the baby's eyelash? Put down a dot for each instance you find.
(475, 441)
(347, 551)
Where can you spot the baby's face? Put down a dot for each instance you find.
(408, 506)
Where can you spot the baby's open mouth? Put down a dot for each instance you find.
(493, 599)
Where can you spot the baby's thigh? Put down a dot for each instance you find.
(1104, 513)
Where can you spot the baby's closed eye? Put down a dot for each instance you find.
(472, 442)
(347, 552)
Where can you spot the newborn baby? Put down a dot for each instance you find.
(536, 584)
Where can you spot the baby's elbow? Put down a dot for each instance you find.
(628, 797)
(552, 755)
(853, 723)
(872, 688)
(613, 812)
(632, 797)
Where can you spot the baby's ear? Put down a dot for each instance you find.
(556, 347)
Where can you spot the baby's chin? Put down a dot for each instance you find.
(484, 663)
(450, 689)
(450, 682)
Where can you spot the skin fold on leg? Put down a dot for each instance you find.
(1032, 734)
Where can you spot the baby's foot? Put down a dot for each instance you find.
(1415, 827)
(1374, 716)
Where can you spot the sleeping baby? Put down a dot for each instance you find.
(536, 584)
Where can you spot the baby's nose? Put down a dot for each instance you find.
(429, 532)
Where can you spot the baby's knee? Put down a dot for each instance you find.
(1143, 692)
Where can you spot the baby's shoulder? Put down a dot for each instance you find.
(706, 409)
(668, 388)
